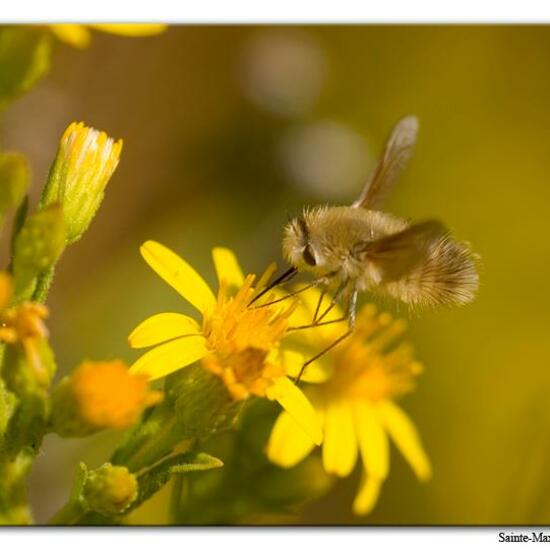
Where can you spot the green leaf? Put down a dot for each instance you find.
(37, 248)
(156, 477)
(25, 54)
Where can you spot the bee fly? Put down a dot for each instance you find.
(358, 248)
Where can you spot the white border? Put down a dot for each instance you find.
(350, 538)
(281, 11)
(249, 12)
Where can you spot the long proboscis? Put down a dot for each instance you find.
(283, 278)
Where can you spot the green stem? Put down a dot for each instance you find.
(14, 509)
(175, 498)
(7, 405)
(70, 514)
(43, 286)
(158, 446)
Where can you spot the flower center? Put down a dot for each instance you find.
(374, 364)
(244, 340)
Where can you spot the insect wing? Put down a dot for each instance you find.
(397, 254)
(397, 152)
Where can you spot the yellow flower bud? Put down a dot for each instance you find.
(110, 489)
(100, 395)
(85, 161)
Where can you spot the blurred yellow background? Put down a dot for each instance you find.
(229, 130)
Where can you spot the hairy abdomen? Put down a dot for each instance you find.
(446, 276)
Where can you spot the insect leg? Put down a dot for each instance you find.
(319, 306)
(339, 291)
(300, 290)
(321, 353)
(317, 324)
(352, 309)
(317, 321)
(320, 281)
(350, 315)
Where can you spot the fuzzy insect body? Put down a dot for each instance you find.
(360, 248)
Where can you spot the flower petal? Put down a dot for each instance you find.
(373, 442)
(74, 35)
(316, 372)
(130, 29)
(178, 274)
(227, 267)
(366, 498)
(161, 328)
(288, 443)
(403, 432)
(340, 442)
(170, 357)
(293, 400)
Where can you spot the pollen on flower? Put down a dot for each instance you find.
(243, 340)
(108, 396)
(24, 325)
(374, 364)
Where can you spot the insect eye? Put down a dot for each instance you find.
(308, 256)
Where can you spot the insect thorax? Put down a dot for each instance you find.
(332, 234)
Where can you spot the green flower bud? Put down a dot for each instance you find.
(37, 248)
(203, 405)
(14, 180)
(85, 161)
(29, 363)
(110, 489)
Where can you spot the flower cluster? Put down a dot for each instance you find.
(349, 404)
(243, 343)
(356, 404)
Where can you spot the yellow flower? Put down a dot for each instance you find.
(240, 344)
(356, 405)
(79, 36)
(100, 395)
(22, 324)
(85, 161)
